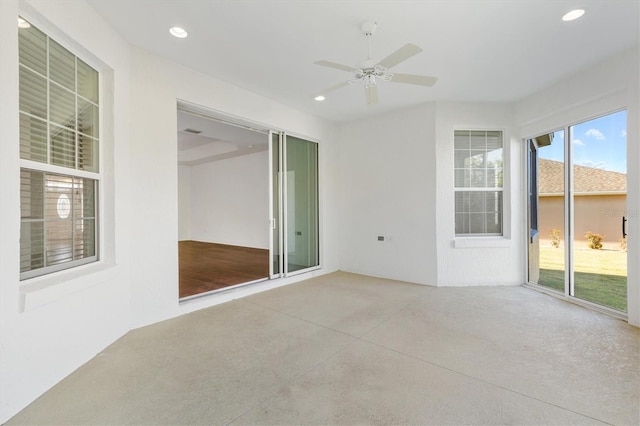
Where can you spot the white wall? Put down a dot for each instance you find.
(606, 87)
(157, 84)
(387, 188)
(230, 201)
(184, 202)
(473, 260)
(397, 182)
(51, 325)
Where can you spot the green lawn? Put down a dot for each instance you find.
(600, 275)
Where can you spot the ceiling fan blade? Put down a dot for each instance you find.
(422, 80)
(371, 95)
(336, 66)
(332, 88)
(400, 55)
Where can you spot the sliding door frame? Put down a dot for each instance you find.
(275, 221)
(569, 276)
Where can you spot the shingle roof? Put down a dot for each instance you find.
(586, 179)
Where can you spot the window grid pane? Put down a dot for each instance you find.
(63, 147)
(84, 243)
(58, 242)
(33, 93)
(31, 246)
(87, 81)
(33, 49)
(62, 106)
(33, 138)
(87, 118)
(31, 195)
(87, 153)
(62, 66)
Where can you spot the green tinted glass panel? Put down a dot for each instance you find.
(301, 204)
(33, 93)
(33, 49)
(87, 82)
(62, 66)
(63, 150)
(62, 106)
(33, 138)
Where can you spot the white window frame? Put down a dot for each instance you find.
(485, 189)
(98, 176)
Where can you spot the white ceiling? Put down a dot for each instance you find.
(216, 140)
(482, 50)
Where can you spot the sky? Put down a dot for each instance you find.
(599, 143)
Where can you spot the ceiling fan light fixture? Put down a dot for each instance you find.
(319, 98)
(573, 15)
(369, 80)
(178, 32)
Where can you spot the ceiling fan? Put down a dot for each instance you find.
(371, 72)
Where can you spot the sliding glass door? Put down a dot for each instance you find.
(301, 204)
(294, 201)
(577, 208)
(599, 205)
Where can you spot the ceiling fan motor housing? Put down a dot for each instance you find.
(369, 28)
(369, 74)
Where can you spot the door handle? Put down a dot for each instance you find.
(624, 227)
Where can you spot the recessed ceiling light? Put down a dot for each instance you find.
(22, 23)
(319, 98)
(178, 32)
(574, 14)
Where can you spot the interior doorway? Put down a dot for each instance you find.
(577, 182)
(223, 204)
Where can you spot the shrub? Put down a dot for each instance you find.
(555, 237)
(623, 243)
(595, 240)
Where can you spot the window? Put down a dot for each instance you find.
(478, 180)
(59, 152)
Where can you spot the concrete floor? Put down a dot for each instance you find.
(348, 349)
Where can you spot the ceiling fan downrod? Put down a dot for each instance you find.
(368, 72)
(369, 29)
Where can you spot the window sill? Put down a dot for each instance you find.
(481, 242)
(40, 291)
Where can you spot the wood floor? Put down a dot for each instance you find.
(207, 266)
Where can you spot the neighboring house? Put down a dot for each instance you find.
(600, 201)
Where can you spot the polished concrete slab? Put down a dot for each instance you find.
(525, 341)
(349, 349)
(373, 385)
